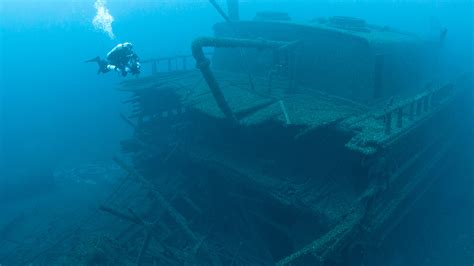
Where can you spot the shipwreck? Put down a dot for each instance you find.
(280, 142)
(289, 143)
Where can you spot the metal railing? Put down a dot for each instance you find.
(413, 108)
(171, 63)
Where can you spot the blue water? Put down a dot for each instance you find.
(56, 113)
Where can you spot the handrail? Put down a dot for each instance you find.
(416, 106)
(203, 64)
(172, 60)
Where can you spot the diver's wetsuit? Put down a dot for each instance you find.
(121, 59)
(119, 55)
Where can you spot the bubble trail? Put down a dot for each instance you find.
(103, 19)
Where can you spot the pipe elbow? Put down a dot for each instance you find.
(197, 51)
(197, 46)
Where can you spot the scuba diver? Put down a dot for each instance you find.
(121, 59)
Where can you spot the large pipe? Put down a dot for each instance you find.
(233, 14)
(233, 9)
(204, 64)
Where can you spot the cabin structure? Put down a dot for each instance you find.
(342, 56)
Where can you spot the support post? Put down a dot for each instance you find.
(412, 111)
(388, 123)
(400, 117)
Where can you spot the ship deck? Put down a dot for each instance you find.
(306, 108)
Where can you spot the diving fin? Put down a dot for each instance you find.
(101, 62)
(95, 59)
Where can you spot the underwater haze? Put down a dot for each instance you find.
(61, 128)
